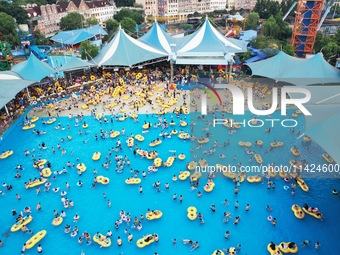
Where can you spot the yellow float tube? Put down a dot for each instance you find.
(284, 247)
(102, 240)
(145, 241)
(23, 222)
(6, 154)
(183, 176)
(297, 211)
(133, 180)
(96, 156)
(34, 239)
(153, 215)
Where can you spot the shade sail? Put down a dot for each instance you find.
(323, 125)
(326, 133)
(123, 50)
(10, 85)
(77, 36)
(33, 69)
(75, 63)
(297, 71)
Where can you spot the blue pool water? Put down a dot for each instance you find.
(254, 231)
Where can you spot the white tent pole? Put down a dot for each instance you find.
(6, 110)
(172, 54)
(230, 69)
(28, 93)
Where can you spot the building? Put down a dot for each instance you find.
(244, 4)
(178, 10)
(49, 15)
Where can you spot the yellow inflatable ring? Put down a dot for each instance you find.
(46, 172)
(181, 156)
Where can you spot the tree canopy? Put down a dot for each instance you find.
(111, 25)
(328, 45)
(271, 28)
(111, 28)
(265, 8)
(252, 21)
(127, 13)
(15, 11)
(71, 21)
(8, 30)
(128, 24)
(87, 50)
(40, 39)
(91, 22)
(122, 3)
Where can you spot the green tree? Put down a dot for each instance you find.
(129, 24)
(71, 21)
(8, 30)
(40, 39)
(87, 50)
(111, 28)
(122, 3)
(318, 44)
(337, 36)
(252, 21)
(284, 30)
(186, 26)
(264, 42)
(15, 11)
(265, 8)
(91, 22)
(137, 17)
(271, 28)
(111, 25)
(127, 13)
(285, 5)
(136, 5)
(288, 49)
(245, 55)
(330, 49)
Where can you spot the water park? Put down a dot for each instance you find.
(123, 149)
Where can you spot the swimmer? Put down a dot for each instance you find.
(305, 243)
(317, 245)
(119, 241)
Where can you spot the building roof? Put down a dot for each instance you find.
(247, 35)
(33, 10)
(62, 6)
(76, 2)
(123, 50)
(158, 38)
(297, 71)
(76, 36)
(33, 69)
